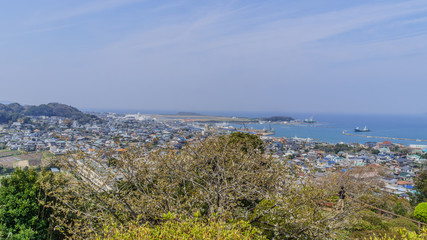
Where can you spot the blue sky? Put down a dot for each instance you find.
(191, 55)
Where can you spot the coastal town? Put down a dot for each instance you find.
(34, 143)
(255, 120)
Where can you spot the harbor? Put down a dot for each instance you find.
(390, 138)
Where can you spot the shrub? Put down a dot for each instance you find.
(362, 225)
(403, 223)
(401, 233)
(182, 229)
(370, 221)
(420, 212)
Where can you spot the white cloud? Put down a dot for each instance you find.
(215, 29)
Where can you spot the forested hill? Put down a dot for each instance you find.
(14, 111)
(277, 119)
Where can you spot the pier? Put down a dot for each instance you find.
(392, 138)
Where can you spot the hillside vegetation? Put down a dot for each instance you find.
(278, 119)
(14, 111)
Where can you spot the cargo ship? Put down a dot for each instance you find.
(365, 129)
(309, 120)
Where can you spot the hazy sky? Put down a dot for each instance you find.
(266, 55)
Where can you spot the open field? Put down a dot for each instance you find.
(7, 153)
(31, 159)
(48, 154)
(201, 118)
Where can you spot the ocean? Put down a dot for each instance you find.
(329, 128)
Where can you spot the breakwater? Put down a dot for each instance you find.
(391, 138)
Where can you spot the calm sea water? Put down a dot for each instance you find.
(329, 128)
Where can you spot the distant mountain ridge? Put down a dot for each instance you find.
(14, 111)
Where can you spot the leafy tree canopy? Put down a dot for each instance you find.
(21, 214)
(420, 212)
(421, 188)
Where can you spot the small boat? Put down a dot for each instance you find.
(365, 129)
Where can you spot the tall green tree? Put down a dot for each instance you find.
(22, 216)
(421, 189)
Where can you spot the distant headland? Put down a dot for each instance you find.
(277, 119)
(15, 111)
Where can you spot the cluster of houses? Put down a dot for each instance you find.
(398, 170)
(55, 135)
